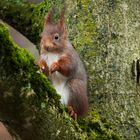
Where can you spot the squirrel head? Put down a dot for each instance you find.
(54, 36)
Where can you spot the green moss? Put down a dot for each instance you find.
(28, 18)
(79, 16)
(30, 88)
(31, 95)
(96, 127)
(85, 21)
(19, 59)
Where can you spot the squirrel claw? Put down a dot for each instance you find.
(72, 113)
(43, 66)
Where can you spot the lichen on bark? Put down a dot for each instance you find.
(106, 35)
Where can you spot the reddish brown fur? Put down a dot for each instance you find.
(54, 67)
(69, 64)
(78, 100)
(48, 19)
(4, 134)
(63, 66)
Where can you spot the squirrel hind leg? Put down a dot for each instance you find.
(78, 99)
(72, 113)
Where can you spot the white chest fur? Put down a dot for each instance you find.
(58, 80)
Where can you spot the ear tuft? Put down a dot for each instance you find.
(48, 18)
(62, 18)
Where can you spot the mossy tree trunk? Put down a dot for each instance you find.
(107, 35)
(118, 41)
(30, 106)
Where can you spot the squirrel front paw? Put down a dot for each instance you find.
(54, 67)
(43, 66)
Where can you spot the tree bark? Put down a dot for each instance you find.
(106, 34)
(30, 107)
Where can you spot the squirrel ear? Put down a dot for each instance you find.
(62, 19)
(61, 23)
(48, 18)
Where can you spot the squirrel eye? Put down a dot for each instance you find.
(56, 36)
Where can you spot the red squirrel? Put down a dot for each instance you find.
(60, 62)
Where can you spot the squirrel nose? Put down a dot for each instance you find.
(48, 45)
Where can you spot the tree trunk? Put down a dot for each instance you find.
(30, 106)
(107, 35)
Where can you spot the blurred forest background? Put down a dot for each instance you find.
(106, 34)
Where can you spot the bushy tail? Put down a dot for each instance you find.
(78, 96)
